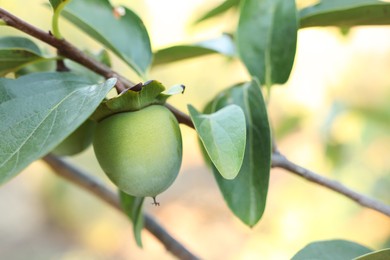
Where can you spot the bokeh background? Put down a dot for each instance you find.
(333, 117)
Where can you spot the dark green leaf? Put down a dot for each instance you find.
(223, 7)
(345, 13)
(266, 39)
(123, 33)
(383, 254)
(222, 45)
(223, 135)
(40, 110)
(331, 250)
(132, 206)
(246, 195)
(17, 52)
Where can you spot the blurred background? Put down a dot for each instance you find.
(333, 117)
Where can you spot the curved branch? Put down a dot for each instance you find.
(280, 161)
(82, 179)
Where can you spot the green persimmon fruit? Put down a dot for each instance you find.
(77, 141)
(140, 151)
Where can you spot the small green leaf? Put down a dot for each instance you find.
(174, 90)
(220, 9)
(267, 38)
(40, 110)
(132, 206)
(331, 250)
(345, 13)
(246, 195)
(223, 135)
(17, 52)
(122, 32)
(130, 100)
(222, 45)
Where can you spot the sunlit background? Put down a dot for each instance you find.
(333, 117)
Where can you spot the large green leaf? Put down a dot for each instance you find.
(223, 135)
(383, 254)
(40, 110)
(219, 9)
(123, 33)
(132, 206)
(222, 45)
(346, 13)
(267, 38)
(17, 52)
(246, 195)
(331, 250)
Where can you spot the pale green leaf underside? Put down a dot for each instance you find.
(38, 111)
(345, 13)
(331, 250)
(223, 135)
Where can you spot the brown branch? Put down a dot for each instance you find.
(280, 161)
(82, 179)
(181, 117)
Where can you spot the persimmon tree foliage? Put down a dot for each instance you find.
(49, 107)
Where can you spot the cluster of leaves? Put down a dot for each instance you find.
(40, 108)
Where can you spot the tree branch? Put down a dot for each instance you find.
(280, 161)
(82, 179)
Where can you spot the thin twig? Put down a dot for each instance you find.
(82, 179)
(280, 161)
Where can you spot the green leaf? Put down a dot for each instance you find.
(222, 45)
(223, 7)
(17, 52)
(246, 195)
(223, 135)
(124, 34)
(130, 100)
(132, 206)
(383, 254)
(345, 13)
(40, 110)
(331, 250)
(267, 38)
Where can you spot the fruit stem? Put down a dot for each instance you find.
(155, 203)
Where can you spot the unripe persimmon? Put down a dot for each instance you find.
(140, 151)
